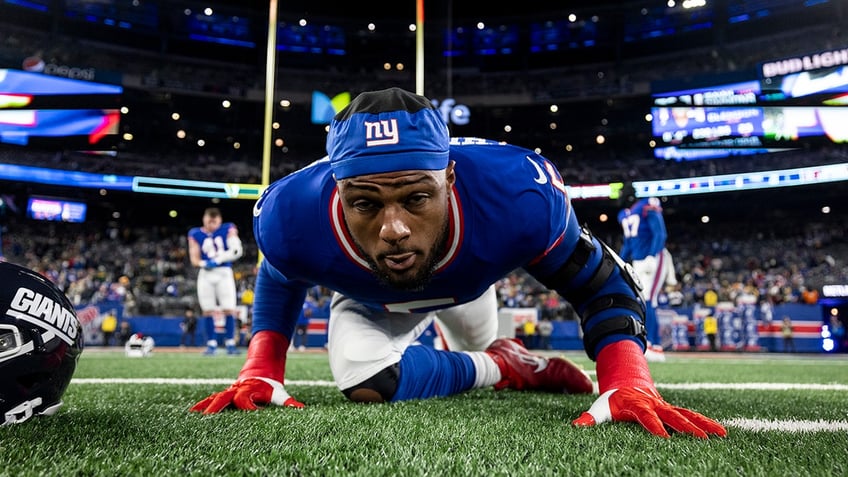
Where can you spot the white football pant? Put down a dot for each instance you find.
(363, 341)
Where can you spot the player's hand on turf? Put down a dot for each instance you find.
(646, 407)
(248, 394)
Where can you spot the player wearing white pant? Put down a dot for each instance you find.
(655, 272)
(213, 248)
(408, 225)
(358, 331)
(643, 246)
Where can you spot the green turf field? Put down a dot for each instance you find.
(786, 416)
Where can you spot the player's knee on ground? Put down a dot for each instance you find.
(378, 388)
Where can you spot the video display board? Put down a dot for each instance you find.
(790, 108)
(43, 110)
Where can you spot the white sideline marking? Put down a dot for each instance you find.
(787, 425)
(686, 386)
(756, 386)
(185, 381)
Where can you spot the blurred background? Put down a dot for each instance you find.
(121, 120)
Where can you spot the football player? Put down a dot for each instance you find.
(41, 341)
(643, 246)
(406, 226)
(213, 248)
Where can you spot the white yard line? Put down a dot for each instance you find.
(185, 381)
(787, 425)
(686, 386)
(756, 386)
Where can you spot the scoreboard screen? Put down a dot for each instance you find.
(46, 111)
(61, 210)
(767, 114)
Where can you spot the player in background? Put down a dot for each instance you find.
(407, 225)
(644, 246)
(669, 275)
(213, 248)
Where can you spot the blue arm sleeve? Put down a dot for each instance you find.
(277, 301)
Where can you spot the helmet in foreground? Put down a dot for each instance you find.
(40, 343)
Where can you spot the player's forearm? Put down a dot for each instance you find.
(197, 262)
(233, 252)
(622, 364)
(266, 356)
(277, 302)
(604, 292)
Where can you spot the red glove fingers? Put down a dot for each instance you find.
(260, 380)
(247, 398)
(637, 405)
(709, 426)
(674, 419)
(248, 395)
(628, 394)
(216, 402)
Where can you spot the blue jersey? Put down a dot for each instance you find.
(212, 243)
(644, 229)
(508, 209)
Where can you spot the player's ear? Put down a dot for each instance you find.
(450, 174)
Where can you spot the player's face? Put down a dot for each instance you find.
(399, 220)
(211, 222)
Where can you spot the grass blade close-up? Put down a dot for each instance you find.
(785, 415)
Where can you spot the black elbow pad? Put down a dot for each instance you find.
(579, 258)
(618, 325)
(632, 320)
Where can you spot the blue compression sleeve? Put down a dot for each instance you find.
(209, 325)
(652, 326)
(426, 372)
(230, 326)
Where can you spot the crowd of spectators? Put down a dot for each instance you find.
(147, 268)
(736, 262)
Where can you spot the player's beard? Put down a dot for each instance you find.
(422, 277)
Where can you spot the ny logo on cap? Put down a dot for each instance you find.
(381, 133)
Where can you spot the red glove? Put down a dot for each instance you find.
(260, 381)
(628, 395)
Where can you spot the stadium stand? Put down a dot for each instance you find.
(766, 240)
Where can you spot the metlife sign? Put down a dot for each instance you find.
(453, 113)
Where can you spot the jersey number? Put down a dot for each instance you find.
(212, 246)
(630, 225)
